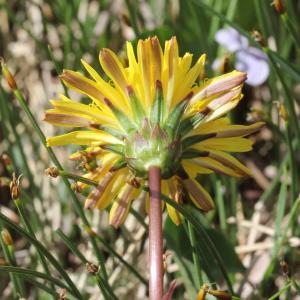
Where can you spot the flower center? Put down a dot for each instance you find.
(152, 146)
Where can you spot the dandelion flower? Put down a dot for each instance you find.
(156, 111)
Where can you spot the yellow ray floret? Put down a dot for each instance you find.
(82, 138)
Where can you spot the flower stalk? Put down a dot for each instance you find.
(155, 235)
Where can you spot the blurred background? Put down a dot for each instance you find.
(255, 226)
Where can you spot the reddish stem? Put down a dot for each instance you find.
(155, 236)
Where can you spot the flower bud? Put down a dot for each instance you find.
(62, 294)
(7, 75)
(284, 268)
(52, 172)
(7, 239)
(225, 64)
(14, 187)
(258, 37)
(91, 268)
(283, 113)
(278, 5)
(7, 161)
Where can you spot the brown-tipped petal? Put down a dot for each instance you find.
(199, 195)
(211, 104)
(226, 82)
(81, 84)
(67, 120)
(176, 195)
(240, 130)
(120, 207)
(223, 99)
(219, 84)
(96, 194)
(229, 161)
(223, 295)
(214, 165)
(113, 68)
(157, 57)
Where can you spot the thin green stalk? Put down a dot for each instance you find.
(263, 18)
(286, 65)
(7, 114)
(196, 260)
(42, 286)
(281, 291)
(79, 178)
(287, 99)
(271, 189)
(7, 251)
(133, 16)
(120, 258)
(43, 251)
(293, 163)
(282, 238)
(77, 253)
(57, 68)
(296, 286)
(231, 9)
(31, 273)
(28, 226)
(287, 22)
(220, 206)
(281, 205)
(215, 22)
(71, 246)
(75, 200)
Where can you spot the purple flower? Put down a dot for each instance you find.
(248, 59)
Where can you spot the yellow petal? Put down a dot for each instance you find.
(96, 194)
(144, 61)
(199, 195)
(81, 84)
(230, 144)
(113, 188)
(210, 127)
(230, 162)
(57, 117)
(239, 130)
(187, 79)
(157, 59)
(216, 166)
(113, 68)
(214, 102)
(218, 84)
(91, 71)
(222, 110)
(170, 66)
(121, 205)
(193, 168)
(174, 194)
(82, 138)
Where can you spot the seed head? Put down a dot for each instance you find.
(6, 236)
(7, 75)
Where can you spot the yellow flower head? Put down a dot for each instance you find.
(156, 111)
